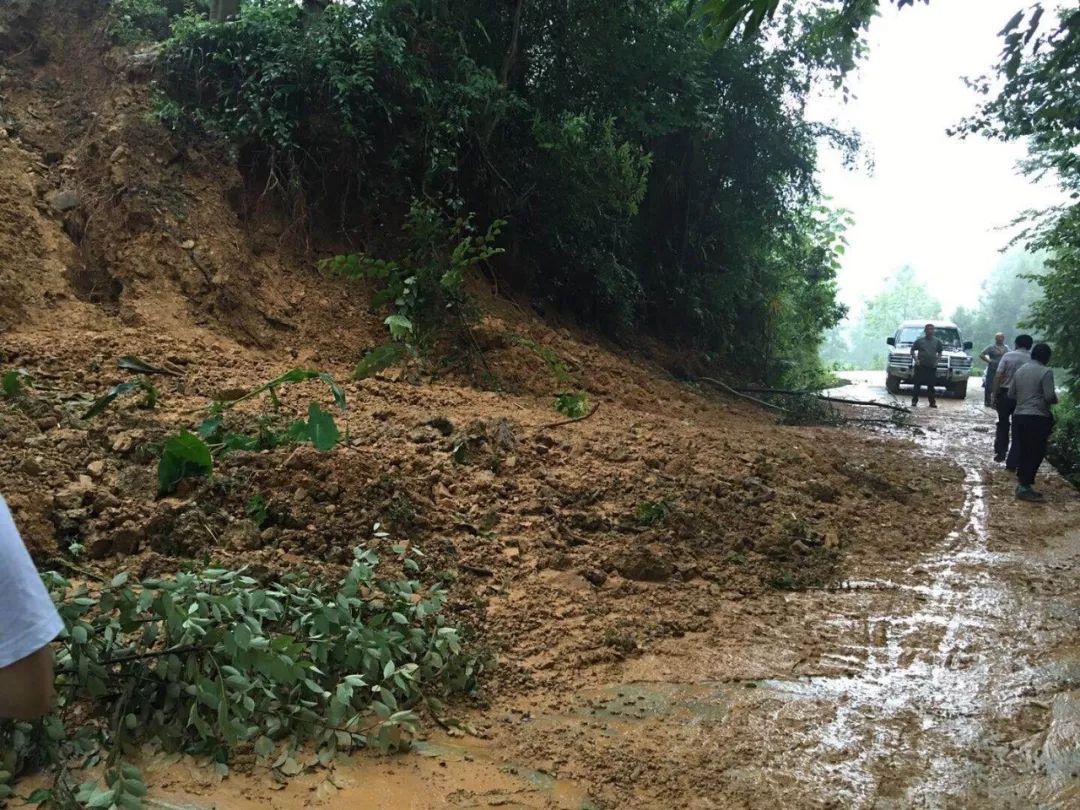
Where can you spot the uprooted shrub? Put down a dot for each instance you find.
(210, 662)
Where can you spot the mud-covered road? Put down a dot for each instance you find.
(948, 678)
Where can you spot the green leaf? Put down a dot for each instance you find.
(183, 456)
(104, 402)
(131, 363)
(102, 797)
(400, 326)
(264, 746)
(290, 767)
(321, 429)
(39, 796)
(379, 359)
(335, 389)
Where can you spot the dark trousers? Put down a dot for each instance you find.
(1030, 434)
(988, 384)
(1005, 408)
(925, 376)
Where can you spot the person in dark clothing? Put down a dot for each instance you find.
(992, 355)
(1004, 406)
(925, 352)
(1033, 392)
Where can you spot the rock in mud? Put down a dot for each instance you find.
(441, 424)
(595, 575)
(650, 563)
(73, 495)
(242, 535)
(63, 200)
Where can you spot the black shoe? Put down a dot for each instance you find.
(933, 404)
(914, 402)
(998, 458)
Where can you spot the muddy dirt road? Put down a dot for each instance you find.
(949, 678)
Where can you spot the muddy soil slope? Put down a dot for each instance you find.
(656, 584)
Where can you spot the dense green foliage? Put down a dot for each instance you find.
(211, 661)
(724, 17)
(649, 180)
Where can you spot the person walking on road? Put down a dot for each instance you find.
(28, 622)
(1033, 392)
(1007, 366)
(925, 352)
(991, 355)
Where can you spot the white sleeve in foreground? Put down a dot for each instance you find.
(28, 620)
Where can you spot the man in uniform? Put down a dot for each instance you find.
(925, 352)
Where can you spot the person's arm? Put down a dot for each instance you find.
(26, 687)
(1049, 390)
(28, 623)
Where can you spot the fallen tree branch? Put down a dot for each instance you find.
(825, 398)
(741, 395)
(596, 407)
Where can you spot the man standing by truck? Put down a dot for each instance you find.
(925, 352)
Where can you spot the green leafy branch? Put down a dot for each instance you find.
(208, 662)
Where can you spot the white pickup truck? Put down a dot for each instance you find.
(954, 365)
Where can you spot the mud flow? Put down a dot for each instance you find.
(946, 678)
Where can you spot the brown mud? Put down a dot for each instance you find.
(814, 617)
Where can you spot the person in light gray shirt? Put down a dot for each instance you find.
(28, 622)
(1007, 366)
(1032, 389)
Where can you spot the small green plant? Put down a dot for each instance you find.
(574, 404)
(210, 661)
(183, 456)
(191, 455)
(649, 513)
(13, 383)
(424, 288)
(257, 510)
(550, 357)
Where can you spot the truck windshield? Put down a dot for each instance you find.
(950, 337)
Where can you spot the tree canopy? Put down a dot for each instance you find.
(649, 181)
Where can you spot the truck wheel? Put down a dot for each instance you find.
(959, 390)
(892, 384)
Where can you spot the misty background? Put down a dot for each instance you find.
(932, 215)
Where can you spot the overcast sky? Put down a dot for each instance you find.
(935, 202)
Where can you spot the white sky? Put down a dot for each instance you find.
(935, 202)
